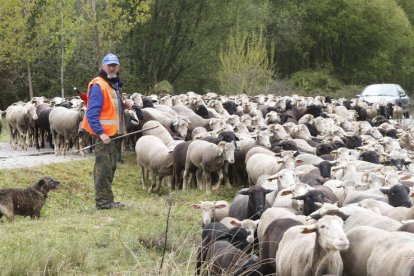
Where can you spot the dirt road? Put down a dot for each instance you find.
(32, 157)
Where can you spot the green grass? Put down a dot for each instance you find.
(72, 237)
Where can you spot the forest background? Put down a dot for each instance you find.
(329, 47)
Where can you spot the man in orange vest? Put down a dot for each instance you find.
(104, 119)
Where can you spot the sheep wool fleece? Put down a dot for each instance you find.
(106, 156)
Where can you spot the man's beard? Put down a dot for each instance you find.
(111, 75)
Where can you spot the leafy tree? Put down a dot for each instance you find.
(246, 64)
(36, 30)
(408, 7)
(104, 24)
(359, 41)
(19, 42)
(181, 41)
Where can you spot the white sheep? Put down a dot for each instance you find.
(158, 130)
(64, 126)
(207, 158)
(153, 156)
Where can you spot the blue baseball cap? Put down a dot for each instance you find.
(110, 59)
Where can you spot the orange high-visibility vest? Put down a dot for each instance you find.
(108, 118)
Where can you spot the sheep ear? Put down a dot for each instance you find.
(243, 192)
(318, 204)
(342, 216)
(299, 197)
(315, 216)
(220, 206)
(235, 222)
(299, 162)
(309, 229)
(288, 192)
(385, 191)
(221, 151)
(268, 191)
(196, 206)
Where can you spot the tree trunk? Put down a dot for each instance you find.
(29, 78)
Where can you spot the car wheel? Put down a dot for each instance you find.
(407, 114)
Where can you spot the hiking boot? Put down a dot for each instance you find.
(112, 205)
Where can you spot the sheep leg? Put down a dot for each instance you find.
(16, 139)
(217, 186)
(55, 142)
(193, 183)
(11, 134)
(185, 179)
(159, 183)
(30, 136)
(143, 177)
(153, 181)
(199, 176)
(226, 178)
(23, 140)
(65, 145)
(207, 181)
(80, 145)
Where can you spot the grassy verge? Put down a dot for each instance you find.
(72, 237)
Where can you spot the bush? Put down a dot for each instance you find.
(163, 87)
(247, 66)
(313, 82)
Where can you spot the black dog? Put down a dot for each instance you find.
(26, 202)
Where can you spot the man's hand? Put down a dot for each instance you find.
(105, 138)
(128, 103)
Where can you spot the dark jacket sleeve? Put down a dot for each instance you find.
(95, 102)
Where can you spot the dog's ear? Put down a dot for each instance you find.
(41, 182)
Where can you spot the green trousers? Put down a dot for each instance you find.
(106, 156)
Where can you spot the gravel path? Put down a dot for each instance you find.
(19, 158)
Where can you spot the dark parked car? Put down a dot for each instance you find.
(385, 93)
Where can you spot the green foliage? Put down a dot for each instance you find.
(313, 82)
(246, 64)
(163, 87)
(362, 41)
(181, 41)
(72, 237)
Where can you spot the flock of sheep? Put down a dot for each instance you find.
(325, 184)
